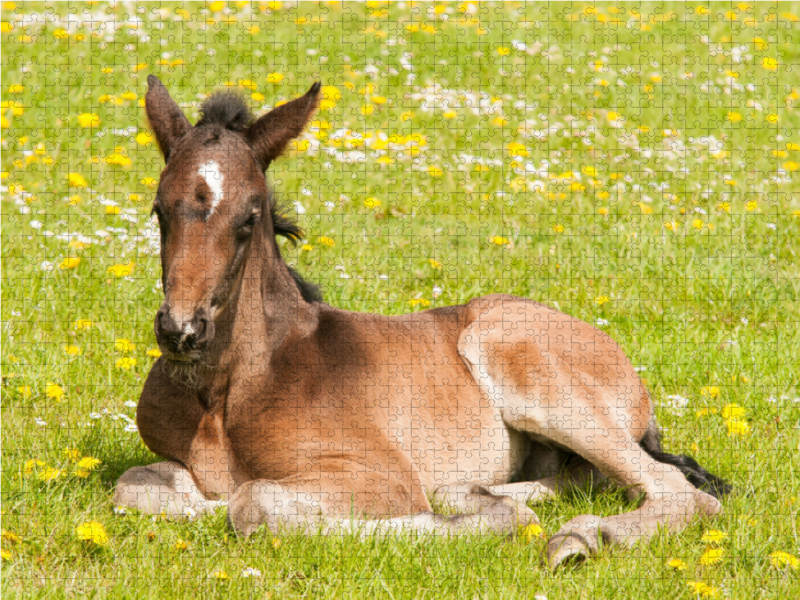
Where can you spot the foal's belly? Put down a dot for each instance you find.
(470, 443)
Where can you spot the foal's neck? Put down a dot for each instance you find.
(266, 311)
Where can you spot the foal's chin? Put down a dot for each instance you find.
(184, 373)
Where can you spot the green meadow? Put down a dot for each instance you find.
(635, 165)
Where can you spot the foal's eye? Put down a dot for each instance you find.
(246, 228)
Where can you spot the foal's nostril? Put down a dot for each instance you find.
(183, 337)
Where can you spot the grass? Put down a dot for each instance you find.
(633, 165)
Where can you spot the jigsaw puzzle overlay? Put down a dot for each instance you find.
(316, 422)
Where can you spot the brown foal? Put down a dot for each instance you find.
(297, 414)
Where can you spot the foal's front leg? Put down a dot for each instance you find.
(309, 506)
(165, 487)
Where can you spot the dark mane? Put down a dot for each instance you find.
(283, 226)
(225, 109)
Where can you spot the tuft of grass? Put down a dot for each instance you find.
(634, 165)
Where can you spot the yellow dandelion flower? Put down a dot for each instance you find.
(330, 92)
(144, 138)
(372, 202)
(30, 464)
(69, 263)
(780, 559)
(154, 353)
(676, 564)
(702, 589)
(149, 182)
(419, 302)
(733, 411)
(258, 96)
(530, 531)
(76, 180)
(434, 171)
(5, 554)
(738, 427)
(713, 536)
(791, 165)
(118, 160)
(126, 363)
(435, 264)
(771, 64)
(89, 463)
(54, 391)
(72, 350)
(326, 241)
(499, 240)
(712, 556)
(275, 77)
(11, 537)
(517, 149)
(712, 391)
(600, 300)
(83, 324)
(25, 391)
(88, 120)
(276, 543)
(221, 575)
(558, 228)
(72, 454)
(121, 270)
(124, 345)
(92, 531)
(181, 545)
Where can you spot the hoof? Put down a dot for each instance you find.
(245, 513)
(562, 548)
(708, 504)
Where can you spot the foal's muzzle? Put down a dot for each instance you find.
(180, 339)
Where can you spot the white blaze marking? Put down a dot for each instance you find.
(211, 173)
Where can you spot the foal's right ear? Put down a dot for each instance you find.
(272, 132)
(166, 118)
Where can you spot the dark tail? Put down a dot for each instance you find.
(694, 473)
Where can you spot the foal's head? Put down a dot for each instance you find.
(212, 201)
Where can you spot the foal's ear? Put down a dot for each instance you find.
(166, 118)
(272, 132)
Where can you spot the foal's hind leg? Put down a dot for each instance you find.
(165, 487)
(539, 391)
(472, 497)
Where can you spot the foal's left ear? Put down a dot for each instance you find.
(272, 132)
